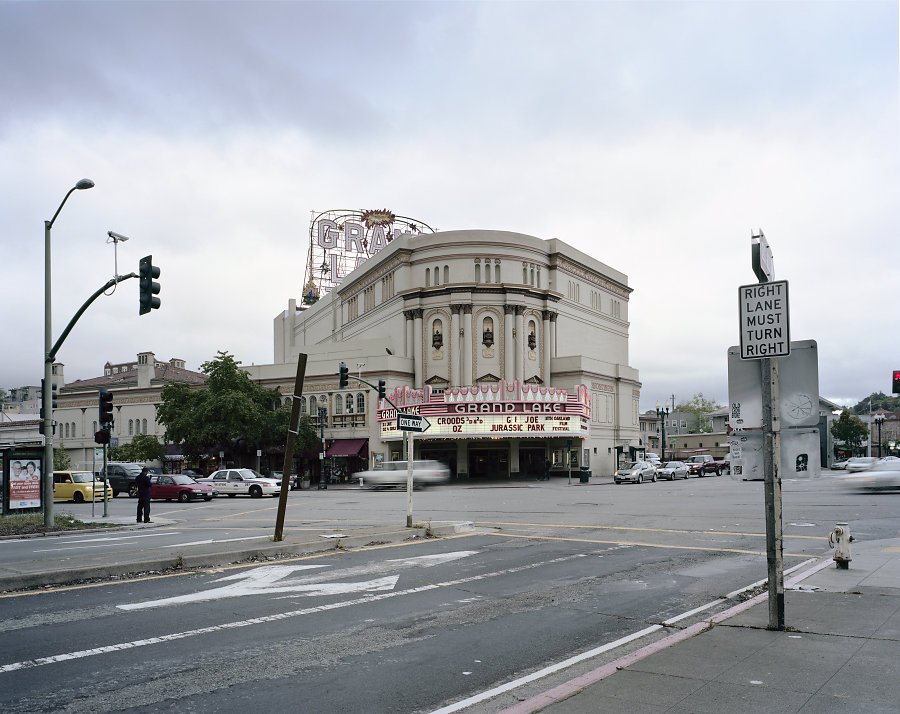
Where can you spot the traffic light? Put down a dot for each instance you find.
(106, 407)
(102, 436)
(896, 389)
(147, 272)
(381, 393)
(344, 375)
(53, 395)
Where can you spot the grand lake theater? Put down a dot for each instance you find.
(514, 348)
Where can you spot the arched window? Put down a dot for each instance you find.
(532, 276)
(144, 427)
(361, 403)
(446, 274)
(496, 273)
(539, 277)
(130, 427)
(524, 273)
(487, 272)
(427, 277)
(349, 403)
(339, 405)
(67, 431)
(302, 406)
(477, 272)
(437, 275)
(313, 411)
(73, 430)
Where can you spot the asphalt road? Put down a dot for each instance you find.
(552, 571)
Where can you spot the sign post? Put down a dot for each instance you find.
(410, 424)
(765, 335)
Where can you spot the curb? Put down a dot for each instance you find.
(190, 561)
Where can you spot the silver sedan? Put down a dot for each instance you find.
(673, 470)
(636, 472)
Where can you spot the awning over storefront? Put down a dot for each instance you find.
(349, 447)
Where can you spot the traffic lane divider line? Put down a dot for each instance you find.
(235, 566)
(634, 528)
(645, 545)
(174, 636)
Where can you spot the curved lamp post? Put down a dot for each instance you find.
(47, 395)
(879, 419)
(660, 413)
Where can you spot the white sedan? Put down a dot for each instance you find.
(393, 473)
(232, 482)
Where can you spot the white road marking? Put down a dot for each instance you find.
(91, 540)
(80, 654)
(271, 579)
(215, 540)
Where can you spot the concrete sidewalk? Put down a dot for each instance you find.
(839, 653)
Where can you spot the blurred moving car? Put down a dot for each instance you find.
(839, 465)
(860, 463)
(393, 473)
(246, 482)
(881, 476)
(673, 470)
(636, 472)
(78, 486)
(184, 488)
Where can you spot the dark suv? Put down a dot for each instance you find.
(121, 478)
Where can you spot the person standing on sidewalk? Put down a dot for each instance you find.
(143, 488)
(547, 466)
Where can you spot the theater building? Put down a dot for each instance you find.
(513, 347)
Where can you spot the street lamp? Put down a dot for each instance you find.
(46, 397)
(660, 413)
(879, 419)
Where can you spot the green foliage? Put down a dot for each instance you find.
(231, 413)
(61, 459)
(849, 429)
(143, 447)
(879, 401)
(701, 407)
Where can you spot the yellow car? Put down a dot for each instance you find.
(78, 486)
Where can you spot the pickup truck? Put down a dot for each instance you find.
(705, 464)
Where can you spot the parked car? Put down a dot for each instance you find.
(703, 464)
(246, 482)
(393, 473)
(673, 470)
(636, 471)
(184, 488)
(860, 463)
(121, 476)
(193, 474)
(78, 486)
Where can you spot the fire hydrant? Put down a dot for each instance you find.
(840, 540)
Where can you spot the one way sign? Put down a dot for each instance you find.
(412, 422)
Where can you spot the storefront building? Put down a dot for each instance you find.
(515, 349)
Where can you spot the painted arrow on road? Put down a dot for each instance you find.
(274, 580)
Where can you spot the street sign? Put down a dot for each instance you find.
(761, 256)
(412, 422)
(764, 320)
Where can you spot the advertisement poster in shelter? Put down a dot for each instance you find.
(23, 485)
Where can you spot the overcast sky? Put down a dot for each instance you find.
(653, 136)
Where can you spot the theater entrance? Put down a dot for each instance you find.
(488, 463)
(531, 460)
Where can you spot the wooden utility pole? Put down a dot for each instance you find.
(289, 447)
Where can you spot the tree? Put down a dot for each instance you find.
(850, 429)
(61, 459)
(878, 400)
(231, 413)
(143, 447)
(701, 407)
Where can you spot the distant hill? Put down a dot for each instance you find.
(879, 401)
